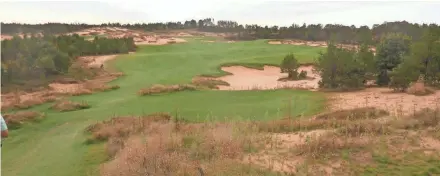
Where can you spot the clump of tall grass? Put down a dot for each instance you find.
(158, 89)
(16, 120)
(65, 105)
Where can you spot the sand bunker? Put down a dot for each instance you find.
(243, 78)
(395, 103)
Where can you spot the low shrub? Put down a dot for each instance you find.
(302, 75)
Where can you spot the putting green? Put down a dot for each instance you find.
(55, 145)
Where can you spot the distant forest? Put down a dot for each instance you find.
(310, 32)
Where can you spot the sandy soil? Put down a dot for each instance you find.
(243, 78)
(160, 41)
(395, 103)
(97, 61)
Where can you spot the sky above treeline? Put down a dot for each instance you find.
(262, 12)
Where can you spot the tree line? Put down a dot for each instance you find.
(399, 61)
(33, 58)
(310, 32)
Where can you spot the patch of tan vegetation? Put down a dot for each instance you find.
(65, 105)
(158, 89)
(243, 78)
(15, 120)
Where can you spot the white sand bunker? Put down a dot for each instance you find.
(243, 78)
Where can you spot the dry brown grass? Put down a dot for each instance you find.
(157, 145)
(420, 119)
(329, 120)
(329, 145)
(65, 105)
(158, 89)
(353, 114)
(211, 83)
(15, 120)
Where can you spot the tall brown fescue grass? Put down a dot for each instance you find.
(16, 120)
(65, 105)
(158, 89)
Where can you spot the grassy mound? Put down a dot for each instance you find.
(65, 105)
(16, 120)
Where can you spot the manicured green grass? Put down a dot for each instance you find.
(56, 146)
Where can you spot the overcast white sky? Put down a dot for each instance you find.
(264, 12)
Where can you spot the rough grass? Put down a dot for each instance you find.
(159, 89)
(65, 105)
(16, 120)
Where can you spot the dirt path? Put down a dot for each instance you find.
(243, 78)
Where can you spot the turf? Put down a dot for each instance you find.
(56, 146)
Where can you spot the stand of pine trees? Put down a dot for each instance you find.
(37, 58)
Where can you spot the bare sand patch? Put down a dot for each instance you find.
(381, 98)
(243, 78)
